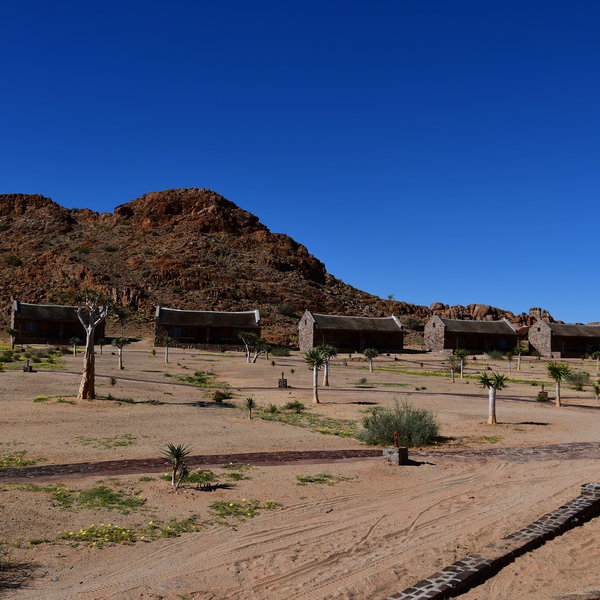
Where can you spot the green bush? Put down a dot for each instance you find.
(495, 355)
(271, 409)
(13, 261)
(416, 426)
(295, 405)
(286, 309)
(220, 395)
(280, 351)
(578, 379)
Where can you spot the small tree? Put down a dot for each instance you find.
(13, 335)
(93, 310)
(101, 343)
(250, 404)
(74, 341)
(492, 382)
(254, 344)
(518, 351)
(558, 372)
(370, 354)
(596, 388)
(328, 352)
(453, 363)
(122, 315)
(462, 354)
(509, 357)
(119, 343)
(175, 456)
(596, 356)
(315, 360)
(167, 342)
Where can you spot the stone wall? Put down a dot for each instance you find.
(306, 333)
(434, 335)
(540, 337)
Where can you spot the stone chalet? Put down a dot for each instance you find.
(350, 334)
(445, 335)
(206, 329)
(48, 324)
(557, 340)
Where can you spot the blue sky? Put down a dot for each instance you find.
(434, 150)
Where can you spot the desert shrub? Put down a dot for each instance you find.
(541, 397)
(362, 381)
(578, 379)
(495, 355)
(416, 426)
(65, 351)
(271, 409)
(280, 351)
(414, 323)
(113, 381)
(294, 405)
(7, 356)
(286, 309)
(12, 260)
(220, 395)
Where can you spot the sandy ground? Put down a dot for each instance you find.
(367, 536)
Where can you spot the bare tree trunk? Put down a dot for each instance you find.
(597, 367)
(452, 371)
(558, 402)
(166, 354)
(492, 406)
(87, 386)
(510, 367)
(326, 374)
(518, 362)
(121, 367)
(315, 385)
(74, 349)
(370, 365)
(462, 368)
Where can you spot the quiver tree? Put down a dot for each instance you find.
(462, 354)
(254, 344)
(92, 312)
(167, 342)
(75, 341)
(315, 360)
(558, 372)
(453, 363)
(13, 335)
(328, 352)
(518, 351)
(370, 354)
(492, 382)
(119, 344)
(596, 356)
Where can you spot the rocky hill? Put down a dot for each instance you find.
(184, 248)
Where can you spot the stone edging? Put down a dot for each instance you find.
(155, 465)
(474, 569)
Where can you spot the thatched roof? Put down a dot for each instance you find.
(484, 327)
(391, 324)
(45, 312)
(563, 330)
(202, 318)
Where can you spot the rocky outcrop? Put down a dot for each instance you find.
(184, 248)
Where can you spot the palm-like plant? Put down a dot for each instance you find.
(462, 354)
(492, 382)
(518, 351)
(453, 363)
(370, 354)
(119, 344)
(175, 455)
(250, 404)
(315, 360)
(596, 356)
(558, 372)
(328, 352)
(74, 341)
(596, 388)
(167, 342)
